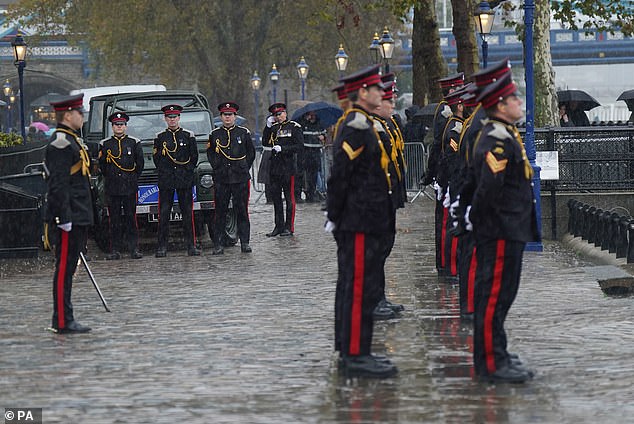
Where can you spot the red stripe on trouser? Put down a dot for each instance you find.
(454, 256)
(498, 269)
(292, 190)
(471, 282)
(193, 224)
(443, 237)
(61, 279)
(357, 294)
(248, 196)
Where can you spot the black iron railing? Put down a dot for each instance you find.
(608, 229)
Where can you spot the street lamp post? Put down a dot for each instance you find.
(529, 136)
(274, 76)
(6, 89)
(341, 60)
(19, 55)
(255, 85)
(302, 71)
(11, 106)
(483, 17)
(374, 49)
(386, 48)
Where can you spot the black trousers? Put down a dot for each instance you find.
(450, 247)
(312, 165)
(497, 281)
(123, 226)
(67, 248)
(186, 204)
(286, 184)
(467, 265)
(360, 263)
(240, 193)
(438, 232)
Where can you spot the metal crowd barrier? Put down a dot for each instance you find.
(607, 229)
(416, 161)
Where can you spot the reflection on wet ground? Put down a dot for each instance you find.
(248, 338)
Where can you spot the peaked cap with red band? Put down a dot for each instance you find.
(389, 85)
(497, 91)
(66, 103)
(277, 107)
(455, 80)
(228, 107)
(492, 73)
(341, 92)
(172, 110)
(364, 78)
(118, 117)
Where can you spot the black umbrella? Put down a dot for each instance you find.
(628, 98)
(584, 100)
(426, 114)
(327, 113)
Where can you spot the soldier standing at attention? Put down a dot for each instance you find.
(175, 155)
(285, 138)
(121, 163)
(360, 215)
(504, 220)
(69, 206)
(231, 153)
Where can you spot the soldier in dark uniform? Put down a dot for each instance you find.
(504, 220)
(462, 188)
(285, 138)
(441, 116)
(175, 155)
(314, 137)
(360, 215)
(448, 172)
(390, 137)
(69, 206)
(121, 163)
(231, 153)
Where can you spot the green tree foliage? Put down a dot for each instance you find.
(211, 45)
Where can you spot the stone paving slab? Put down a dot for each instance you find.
(248, 339)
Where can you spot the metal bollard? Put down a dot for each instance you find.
(621, 243)
(585, 221)
(598, 234)
(572, 203)
(614, 231)
(578, 224)
(630, 244)
(605, 230)
(591, 224)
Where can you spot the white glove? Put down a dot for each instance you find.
(447, 201)
(65, 227)
(277, 148)
(329, 227)
(270, 121)
(439, 192)
(469, 225)
(453, 207)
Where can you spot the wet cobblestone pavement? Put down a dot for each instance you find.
(247, 338)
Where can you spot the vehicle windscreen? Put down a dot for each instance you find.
(146, 126)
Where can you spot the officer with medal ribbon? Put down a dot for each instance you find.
(69, 210)
(231, 153)
(285, 138)
(121, 163)
(175, 155)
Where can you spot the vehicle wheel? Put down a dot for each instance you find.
(102, 231)
(230, 237)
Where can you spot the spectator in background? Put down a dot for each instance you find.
(577, 115)
(564, 120)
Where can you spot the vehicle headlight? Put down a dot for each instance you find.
(206, 181)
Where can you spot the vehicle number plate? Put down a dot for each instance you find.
(174, 216)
